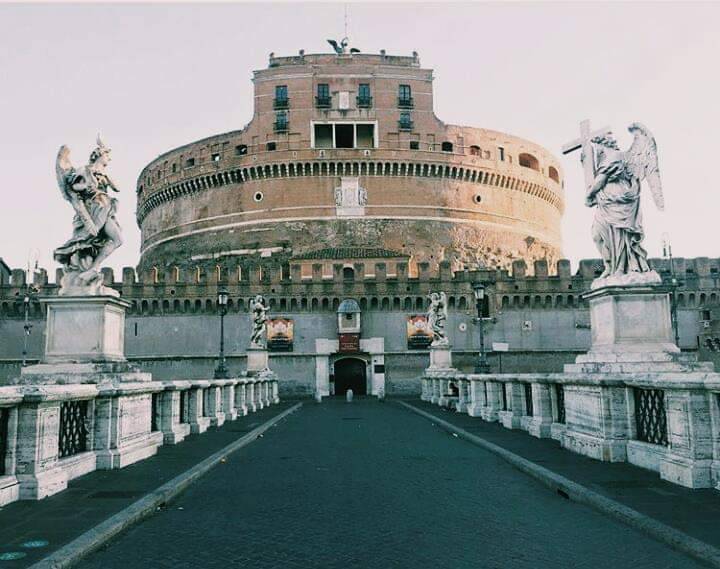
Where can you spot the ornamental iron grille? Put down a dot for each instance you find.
(650, 419)
(73, 428)
(183, 402)
(528, 399)
(154, 412)
(4, 416)
(560, 398)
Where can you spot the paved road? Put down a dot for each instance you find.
(371, 485)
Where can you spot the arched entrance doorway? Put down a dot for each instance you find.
(350, 374)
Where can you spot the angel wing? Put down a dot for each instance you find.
(63, 167)
(354, 50)
(642, 161)
(335, 46)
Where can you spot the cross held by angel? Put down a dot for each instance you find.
(96, 232)
(613, 178)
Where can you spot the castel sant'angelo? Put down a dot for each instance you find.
(345, 151)
(345, 202)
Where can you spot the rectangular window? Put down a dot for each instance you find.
(190, 162)
(344, 136)
(364, 100)
(323, 136)
(174, 167)
(323, 96)
(414, 145)
(281, 121)
(405, 122)
(270, 146)
(501, 153)
(405, 96)
(365, 135)
(281, 97)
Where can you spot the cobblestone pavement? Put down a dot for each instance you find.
(371, 485)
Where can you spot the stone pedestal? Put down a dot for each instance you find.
(173, 429)
(257, 360)
(85, 329)
(440, 358)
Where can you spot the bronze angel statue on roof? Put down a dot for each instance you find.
(615, 193)
(96, 232)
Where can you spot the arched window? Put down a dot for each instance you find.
(474, 150)
(447, 146)
(529, 161)
(553, 174)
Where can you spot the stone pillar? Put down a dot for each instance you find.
(259, 403)
(250, 395)
(689, 458)
(435, 390)
(493, 400)
(510, 418)
(257, 360)
(477, 397)
(241, 397)
(267, 399)
(10, 397)
(213, 404)
(440, 357)
(123, 421)
(173, 429)
(199, 423)
(275, 392)
(39, 469)
(228, 400)
(540, 424)
(597, 420)
(462, 402)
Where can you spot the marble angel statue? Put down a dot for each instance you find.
(260, 318)
(437, 316)
(96, 232)
(615, 194)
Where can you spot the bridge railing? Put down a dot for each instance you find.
(51, 434)
(663, 422)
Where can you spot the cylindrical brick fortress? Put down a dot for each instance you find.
(345, 151)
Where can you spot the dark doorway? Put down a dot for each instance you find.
(350, 374)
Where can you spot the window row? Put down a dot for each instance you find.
(323, 97)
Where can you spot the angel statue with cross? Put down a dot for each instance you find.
(613, 179)
(96, 232)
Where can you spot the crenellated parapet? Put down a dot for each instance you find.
(377, 285)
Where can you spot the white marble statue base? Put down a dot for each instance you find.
(440, 358)
(85, 329)
(257, 360)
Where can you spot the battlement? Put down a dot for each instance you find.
(376, 285)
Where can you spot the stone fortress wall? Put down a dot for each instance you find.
(471, 196)
(172, 325)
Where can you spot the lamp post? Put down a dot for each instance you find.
(667, 253)
(482, 365)
(221, 371)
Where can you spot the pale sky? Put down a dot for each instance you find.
(151, 77)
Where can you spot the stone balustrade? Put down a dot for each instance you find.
(51, 434)
(666, 422)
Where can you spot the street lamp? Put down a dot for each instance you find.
(221, 371)
(667, 254)
(482, 365)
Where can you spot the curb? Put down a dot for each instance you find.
(73, 552)
(676, 539)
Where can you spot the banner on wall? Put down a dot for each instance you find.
(419, 335)
(280, 334)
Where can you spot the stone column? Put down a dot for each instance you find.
(241, 397)
(477, 397)
(259, 404)
(267, 400)
(510, 418)
(174, 431)
(540, 423)
(462, 404)
(493, 400)
(199, 423)
(228, 400)
(250, 396)
(275, 392)
(213, 405)
(424, 389)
